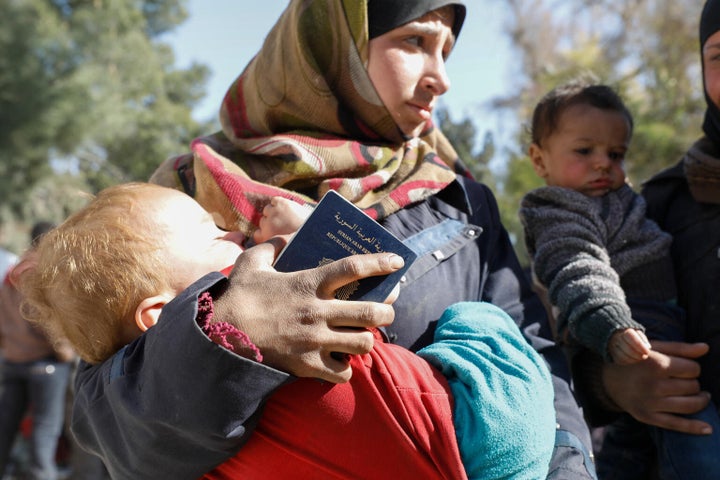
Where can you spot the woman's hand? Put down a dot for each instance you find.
(295, 319)
(660, 388)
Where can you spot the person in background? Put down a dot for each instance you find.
(685, 201)
(35, 375)
(604, 266)
(340, 97)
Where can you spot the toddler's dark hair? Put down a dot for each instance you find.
(548, 111)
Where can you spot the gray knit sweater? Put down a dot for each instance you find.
(590, 252)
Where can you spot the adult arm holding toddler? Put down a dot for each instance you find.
(386, 397)
(168, 433)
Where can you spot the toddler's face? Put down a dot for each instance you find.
(586, 151)
(194, 245)
(711, 67)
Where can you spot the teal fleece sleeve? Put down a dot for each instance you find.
(503, 413)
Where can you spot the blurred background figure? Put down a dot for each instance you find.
(34, 378)
(7, 260)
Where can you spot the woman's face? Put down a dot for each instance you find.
(711, 67)
(407, 68)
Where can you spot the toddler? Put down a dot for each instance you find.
(603, 268)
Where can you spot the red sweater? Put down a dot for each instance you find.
(392, 420)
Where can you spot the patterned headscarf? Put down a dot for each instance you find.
(304, 118)
(709, 24)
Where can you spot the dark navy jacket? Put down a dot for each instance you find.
(695, 250)
(173, 404)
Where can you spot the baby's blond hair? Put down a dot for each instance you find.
(93, 270)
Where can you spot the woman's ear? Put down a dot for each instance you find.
(148, 311)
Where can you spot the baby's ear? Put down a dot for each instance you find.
(538, 161)
(148, 311)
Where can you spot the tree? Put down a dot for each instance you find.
(52, 199)
(89, 86)
(462, 135)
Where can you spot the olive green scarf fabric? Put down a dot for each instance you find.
(304, 118)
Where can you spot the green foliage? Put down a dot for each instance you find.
(519, 179)
(462, 135)
(655, 145)
(34, 94)
(88, 85)
(52, 199)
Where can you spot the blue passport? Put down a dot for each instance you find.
(338, 229)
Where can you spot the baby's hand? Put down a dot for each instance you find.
(628, 346)
(280, 217)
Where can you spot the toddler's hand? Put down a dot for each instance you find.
(628, 346)
(280, 217)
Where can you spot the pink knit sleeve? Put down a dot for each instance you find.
(224, 334)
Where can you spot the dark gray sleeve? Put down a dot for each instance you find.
(172, 404)
(567, 243)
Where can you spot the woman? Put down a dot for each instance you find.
(339, 97)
